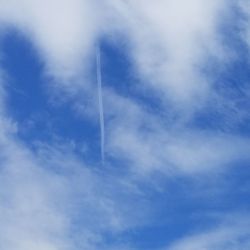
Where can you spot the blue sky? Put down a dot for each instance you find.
(152, 153)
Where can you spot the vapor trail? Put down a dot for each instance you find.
(100, 100)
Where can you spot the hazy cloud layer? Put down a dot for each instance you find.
(53, 199)
(232, 234)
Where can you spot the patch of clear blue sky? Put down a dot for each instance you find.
(185, 205)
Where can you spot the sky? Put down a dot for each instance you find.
(124, 125)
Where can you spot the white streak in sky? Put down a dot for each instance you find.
(100, 100)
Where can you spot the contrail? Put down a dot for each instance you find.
(100, 100)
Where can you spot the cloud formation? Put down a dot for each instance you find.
(230, 235)
(52, 198)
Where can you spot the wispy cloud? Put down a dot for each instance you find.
(62, 31)
(51, 200)
(170, 42)
(230, 234)
(50, 197)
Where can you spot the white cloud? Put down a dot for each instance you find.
(45, 193)
(170, 42)
(62, 31)
(231, 235)
(245, 8)
(51, 200)
(29, 217)
(148, 144)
